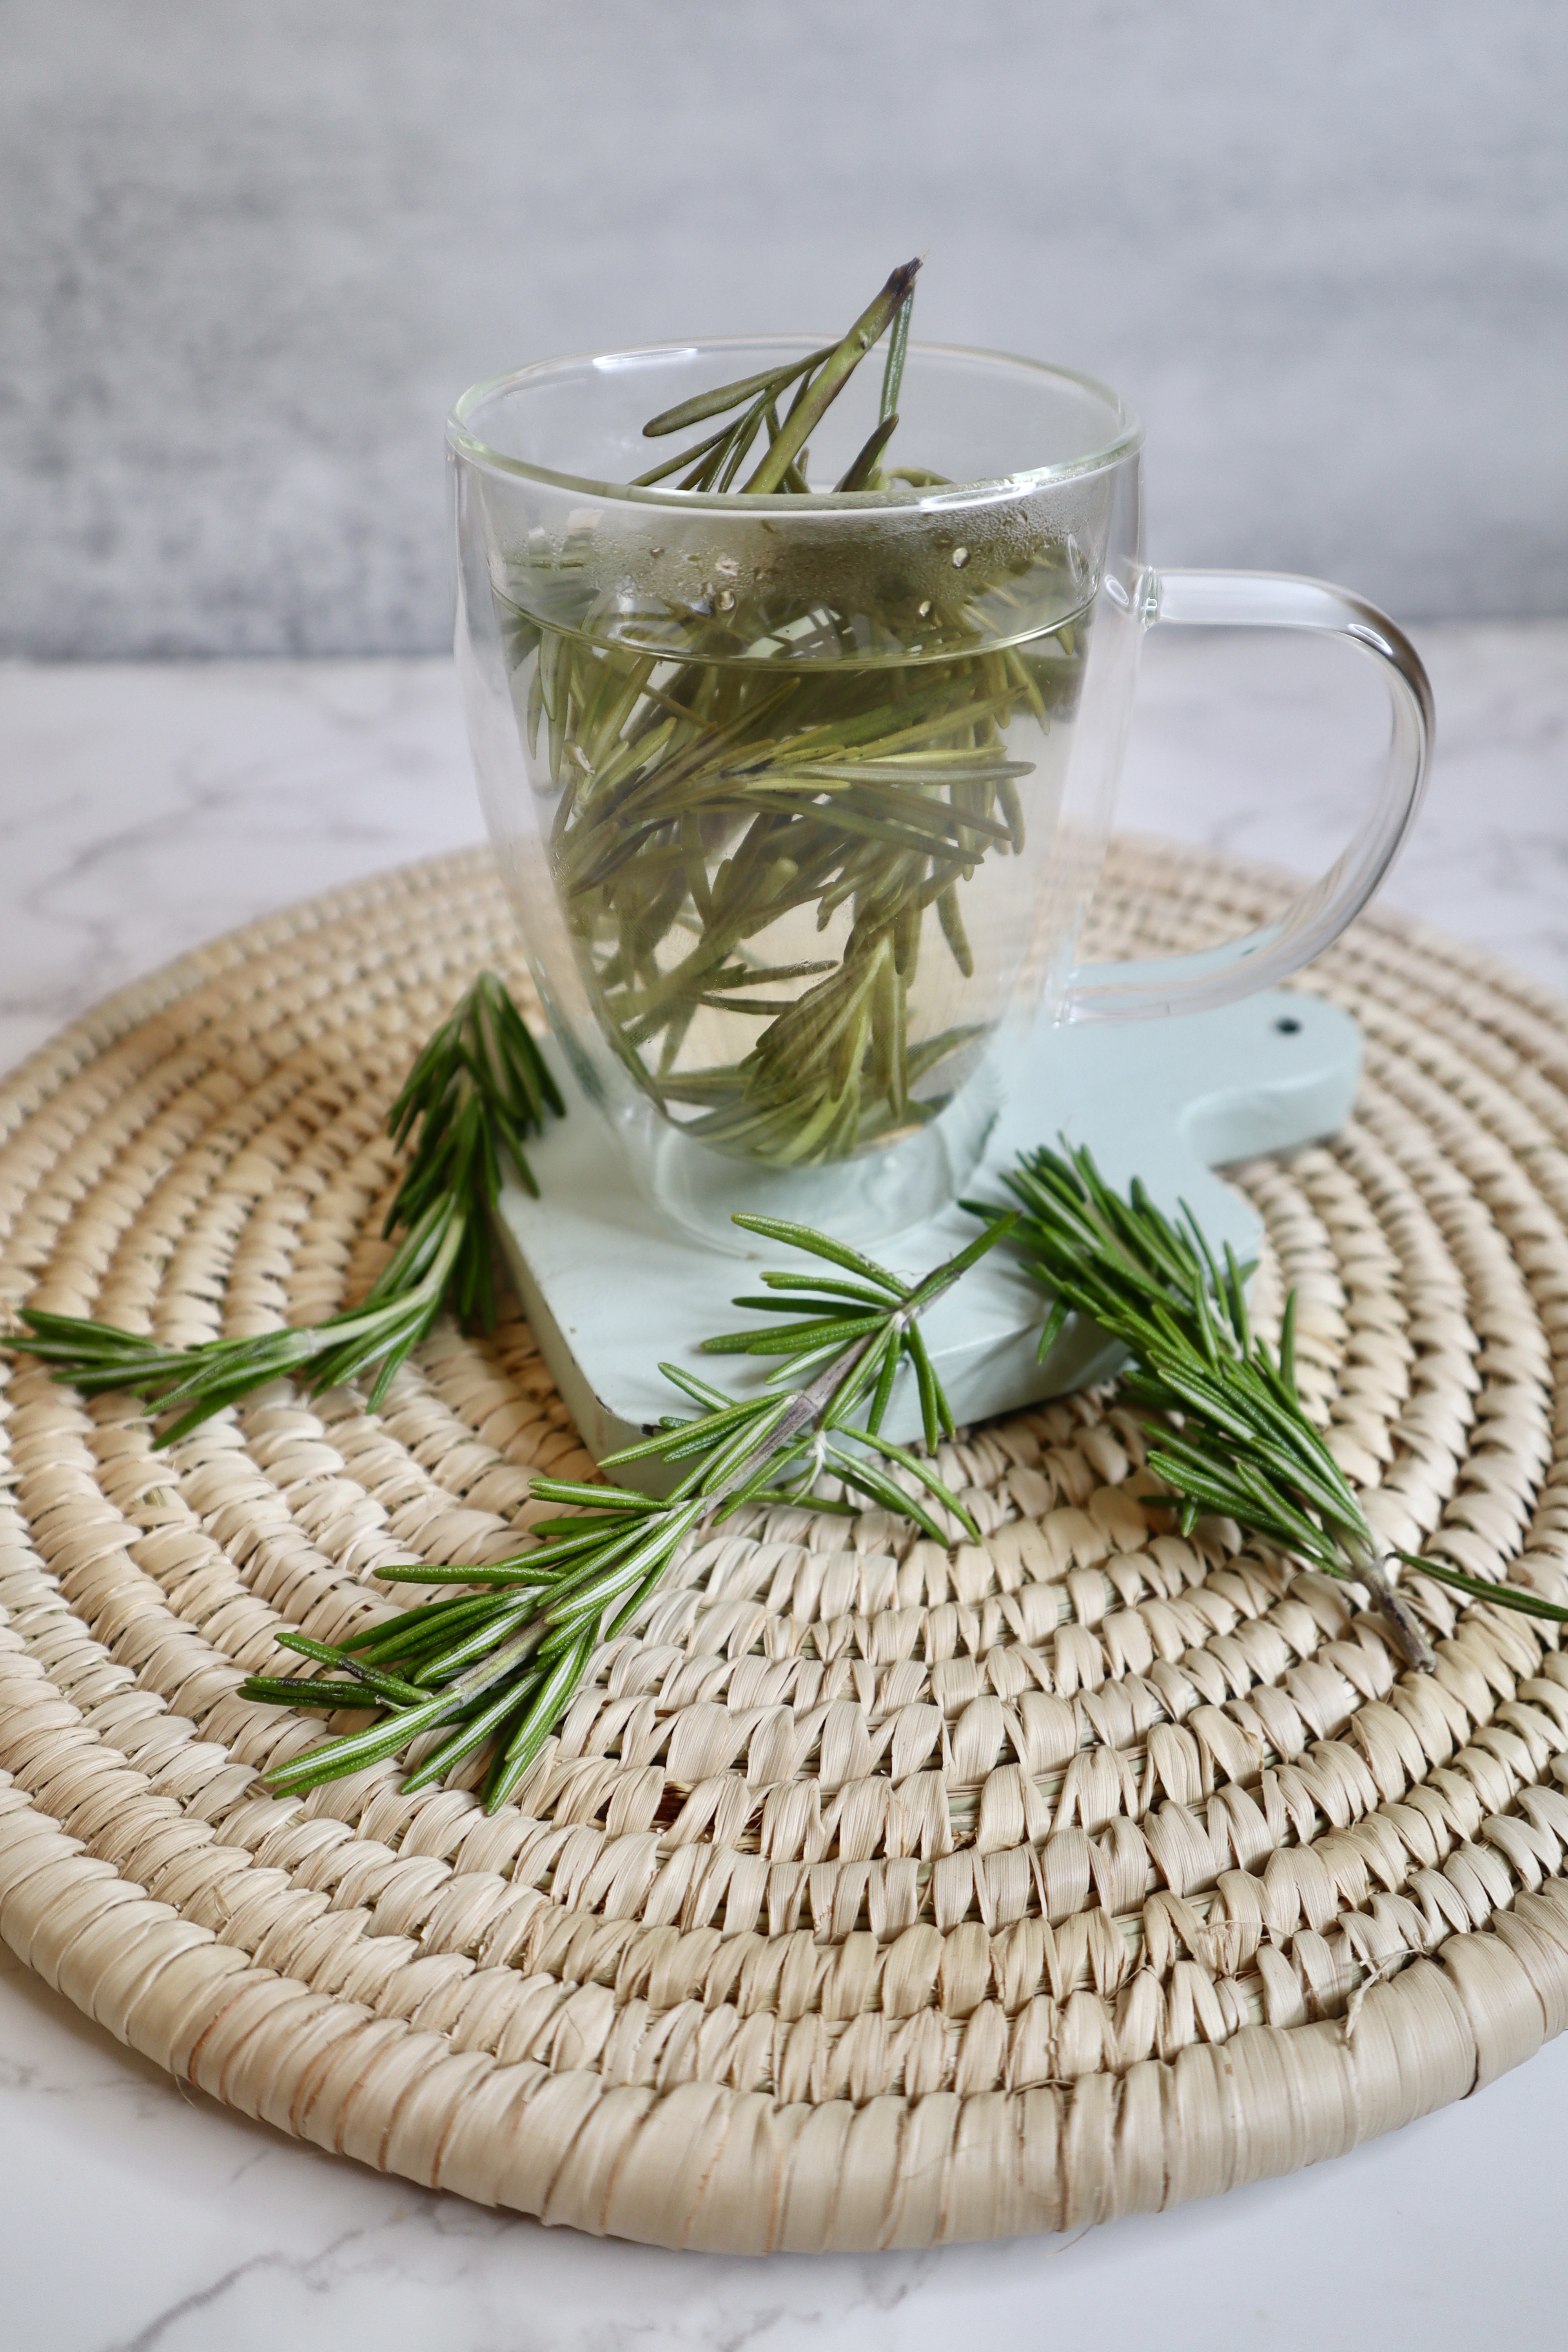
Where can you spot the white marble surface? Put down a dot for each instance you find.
(142, 810)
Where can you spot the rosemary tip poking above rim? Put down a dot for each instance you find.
(816, 381)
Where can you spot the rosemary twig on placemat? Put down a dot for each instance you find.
(477, 1091)
(1232, 1436)
(496, 1667)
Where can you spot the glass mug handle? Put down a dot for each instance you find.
(1218, 975)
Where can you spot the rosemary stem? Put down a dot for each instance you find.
(805, 1412)
(1366, 1564)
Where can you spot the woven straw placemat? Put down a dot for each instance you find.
(872, 1895)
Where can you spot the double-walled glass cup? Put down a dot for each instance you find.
(801, 798)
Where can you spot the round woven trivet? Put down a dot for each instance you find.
(872, 1895)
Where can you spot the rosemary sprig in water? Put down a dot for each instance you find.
(476, 1092)
(754, 838)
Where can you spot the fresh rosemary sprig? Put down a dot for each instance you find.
(1232, 1437)
(479, 1089)
(501, 1664)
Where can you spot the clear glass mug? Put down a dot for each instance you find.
(801, 799)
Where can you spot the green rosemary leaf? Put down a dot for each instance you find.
(927, 1476)
(1287, 1350)
(731, 395)
(1053, 1326)
(897, 351)
(856, 1292)
(739, 445)
(545, 1704)
(578, 1528)
(690, 1436)
(674, 465)
(943, 1278)
(881, 1395)
(425, 1573)
(593, 1499)
(822, 1310)
(868, 1479)
(803, 1237)
(859, 472)
(791, 1338)
(352, 1751)
(936, 1420)
(283, 1690)
(699, 1392)
(390, 1686)
(1236, 1297)
(1475, 1588)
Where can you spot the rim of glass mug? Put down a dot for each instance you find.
(1126, 441)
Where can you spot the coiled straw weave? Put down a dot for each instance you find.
(873, 1894)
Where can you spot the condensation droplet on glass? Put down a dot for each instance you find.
(960, 558)
(1076, 563)
(924, 608)
(725, 600)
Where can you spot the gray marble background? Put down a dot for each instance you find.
(247, 257)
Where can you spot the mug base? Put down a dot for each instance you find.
(869, 1201)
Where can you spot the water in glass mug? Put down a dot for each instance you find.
(800, 893)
